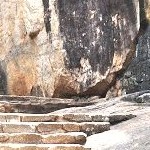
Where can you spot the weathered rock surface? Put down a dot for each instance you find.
(137, 76)
(42, 147)
(32, 104)
(34, 138)
(80, 128)
(133, 134)
(54, 127)
(134, 104)
(78, 45)
(134, 130)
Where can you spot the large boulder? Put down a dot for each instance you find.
(62, 48)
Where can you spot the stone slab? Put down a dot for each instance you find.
(70, 117)
(35, 138)
(33, 104)
(54, 127)
(18, 127)
(42, 147)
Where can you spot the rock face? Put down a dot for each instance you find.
(63, 48)
(137, 76)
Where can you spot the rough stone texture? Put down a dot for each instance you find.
(42, 147)
(132, 134)
(74, 44)
(17, 128)
(38, 118)
(137, 76)
(32, 104)
(77, 118)
(129, 135)
(68, 138)
(54, 127)
(34, 138)
(4, 138)
(94, 128)
(126, 106)
(25, 138)
(50, 128)
(71, 127)
(63, 127)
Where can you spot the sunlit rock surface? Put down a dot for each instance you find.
(61, 48)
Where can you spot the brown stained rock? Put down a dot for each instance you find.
(34, 138)
(69, 148)
(59, 140)
(17, 128)
(34, 34)
(81, 139)
(42, 147)
(71, 127)
(25, 138)
(38, 105)
(4, 138)
(50, 128)
(66, 138)
(77, 117)
(1, 128)
(38, 118)
(8, 108)
(2, 108)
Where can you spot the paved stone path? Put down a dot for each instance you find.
(67, 129)
(21, 131)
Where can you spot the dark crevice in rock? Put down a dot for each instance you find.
(100, 89)
(47, 16)
(3, 81)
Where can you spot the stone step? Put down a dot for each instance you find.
(42, 147)
(54, 127)
(35, 138)
(33, 104)
(21, 117)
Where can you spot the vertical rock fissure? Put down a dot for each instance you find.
(47, 16)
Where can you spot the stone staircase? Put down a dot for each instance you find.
(21, 131)
(23, 128)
